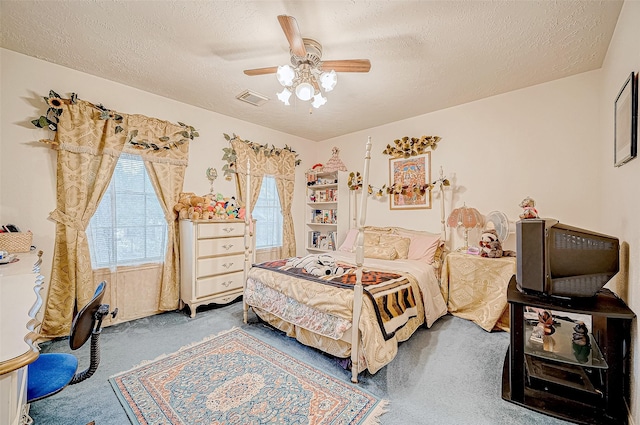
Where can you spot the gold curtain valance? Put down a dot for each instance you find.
(83, 128)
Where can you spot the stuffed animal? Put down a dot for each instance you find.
(183, 205)
(316, 264)
(231, 207)
(529, 208)
(491, 247)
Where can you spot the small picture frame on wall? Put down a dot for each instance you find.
(412, 175)
(626, 122)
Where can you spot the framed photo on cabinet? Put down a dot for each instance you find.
(409, 179)
(626, 122)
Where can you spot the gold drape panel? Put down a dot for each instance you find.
(167, 180)
(282, 168)
(88, 150)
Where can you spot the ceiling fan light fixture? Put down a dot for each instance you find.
(284, 96)
(304, 91)
(328, 80)
(318, 100)
(285, 75)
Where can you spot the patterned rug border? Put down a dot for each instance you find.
(372, 417)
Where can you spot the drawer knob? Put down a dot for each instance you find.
(227, 247)
(227, 265)
(227, 283)
(228, 229)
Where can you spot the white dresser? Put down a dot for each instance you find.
(20, 300)
(211, 262)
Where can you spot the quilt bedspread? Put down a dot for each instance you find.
(338, 301)
(391, 294)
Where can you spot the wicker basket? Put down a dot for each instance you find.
(16, 241)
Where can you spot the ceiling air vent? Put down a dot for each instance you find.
(252, 98)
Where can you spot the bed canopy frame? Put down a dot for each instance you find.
(358, 222)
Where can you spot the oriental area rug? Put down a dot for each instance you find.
(235, 378)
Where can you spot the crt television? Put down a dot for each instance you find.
(558, 260)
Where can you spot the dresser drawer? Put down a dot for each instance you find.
(220, 246)
(218, 284)
(219, 229)
(220, 265)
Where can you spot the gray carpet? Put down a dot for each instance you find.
(448, 374)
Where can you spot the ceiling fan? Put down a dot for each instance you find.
(309, 71)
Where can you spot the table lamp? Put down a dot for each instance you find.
(467, 218)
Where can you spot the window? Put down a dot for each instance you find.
(129, 227)
(268, 214)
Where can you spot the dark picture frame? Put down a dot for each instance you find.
(626, 122)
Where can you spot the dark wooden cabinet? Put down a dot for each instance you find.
(567, 382)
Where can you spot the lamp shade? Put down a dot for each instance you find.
(304, 91)
(285, 75)
(318, 101)
(466, 217)
(329, 80)
(284, 96)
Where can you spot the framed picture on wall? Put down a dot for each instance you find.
(410, 176)
(626, 122)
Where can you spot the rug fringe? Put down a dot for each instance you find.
(184, 347)
(374, 416)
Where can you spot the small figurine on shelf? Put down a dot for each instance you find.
(529, 208)
(580, 342)
(544, 327)
(580, 334)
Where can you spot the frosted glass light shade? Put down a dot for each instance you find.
(285, 75)
(318, 101)
(328, 80)
(304, 91)
(284, 96)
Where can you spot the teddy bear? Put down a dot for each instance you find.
(183, 205)
(529, 208)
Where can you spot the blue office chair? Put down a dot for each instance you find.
(52, 372)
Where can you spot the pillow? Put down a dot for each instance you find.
(349, 241)
(400, 244)
(423, 244)
(371, 238)
(423, 247)
(349, 244)
(380, 252)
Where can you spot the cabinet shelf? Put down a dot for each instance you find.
(560, 348)
(559, 382)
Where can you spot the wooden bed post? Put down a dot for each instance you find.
(357, 295)
(247, 240)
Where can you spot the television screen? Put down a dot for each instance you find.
(563, 261)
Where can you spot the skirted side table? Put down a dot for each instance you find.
(475, 288)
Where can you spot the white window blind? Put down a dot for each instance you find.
(129, 227)
(268, 214)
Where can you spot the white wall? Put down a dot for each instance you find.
(620, 204)
(540, 141)
(28, 169)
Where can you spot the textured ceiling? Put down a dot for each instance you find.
(425, 55)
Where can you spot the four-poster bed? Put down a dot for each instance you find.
(361, 313)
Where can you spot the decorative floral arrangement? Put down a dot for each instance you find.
(51, 118)
(411, 146)
(230, 154)
(354, 182)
